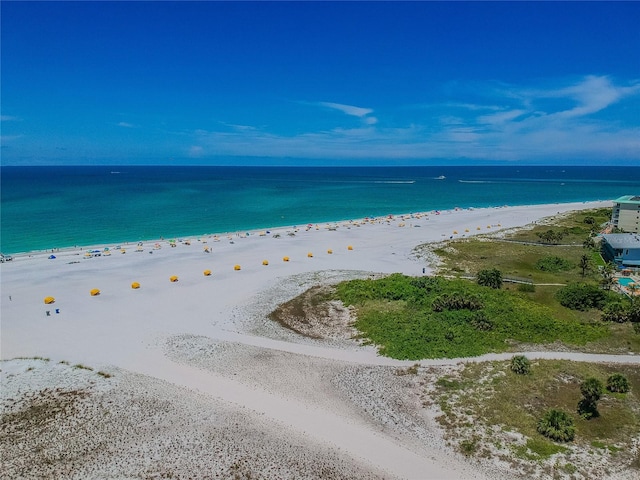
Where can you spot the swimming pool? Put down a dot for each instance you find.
(625, 281)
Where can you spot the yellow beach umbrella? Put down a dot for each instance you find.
(236, 267)
(285, 259)
(329, 251)
(207, 273)
(309, 254)
(135, 285)
(350, 247)
(466, 229)
(455, 232)
(265, 262)
(94, 292)
(49, 300)
(173, 278)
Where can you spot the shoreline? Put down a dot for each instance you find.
(80, 249)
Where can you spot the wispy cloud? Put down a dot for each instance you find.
(563, 121)
(9, 118)
(126, 125)
(352, 110)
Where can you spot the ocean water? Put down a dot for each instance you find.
(57, 207)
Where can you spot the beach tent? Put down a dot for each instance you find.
(49, 300)
(350, 247)
(51, 257)
(94, 292)
(206, 273)
(329, 251)
(285, 259)
(236, 267)
(173, 278)
(265, 262)
(135, 285)
(309, 254)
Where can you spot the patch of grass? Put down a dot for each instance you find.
(538, 448)
(82, 367)
(516, 402)
(469, 447)
(397, 314)
(104, 374)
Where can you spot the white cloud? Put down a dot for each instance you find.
(126, 125)
(517, 123)
(348, 109)
(8, 118)
(352, 110)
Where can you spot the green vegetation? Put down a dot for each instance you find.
(486, 395)
(553, 263)
(618, 383)
(557, 425)
(431, 317)
(489, 278)
(520, 365)
(591, 390)
(582, 296)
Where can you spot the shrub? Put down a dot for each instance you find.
(591, 390)
(553, 264)
(456, 301)
(614, 312)
(520, 365)
(636, 328)
(480, 322)
(617, 383)
(489, 278)
(557, 425)
(581, 296)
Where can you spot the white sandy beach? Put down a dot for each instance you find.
(203, 385)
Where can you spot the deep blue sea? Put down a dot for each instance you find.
(56, 207)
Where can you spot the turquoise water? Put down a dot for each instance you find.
(625, 281)
(56, 207)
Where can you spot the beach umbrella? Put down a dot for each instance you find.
(94, 292)
(207, 273)
(173, 278)
(265, 262)
(466, 229)
(309, 254)
(455, 232)
(285, 259)
(49, 300)
(51, 257)
(135, 285)
(237, 267)
(329, 251)
(350, 247)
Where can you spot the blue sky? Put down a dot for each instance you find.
(358, 83)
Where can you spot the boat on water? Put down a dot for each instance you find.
(441, 177)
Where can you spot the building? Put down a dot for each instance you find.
(623, 249)
(626, 213)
